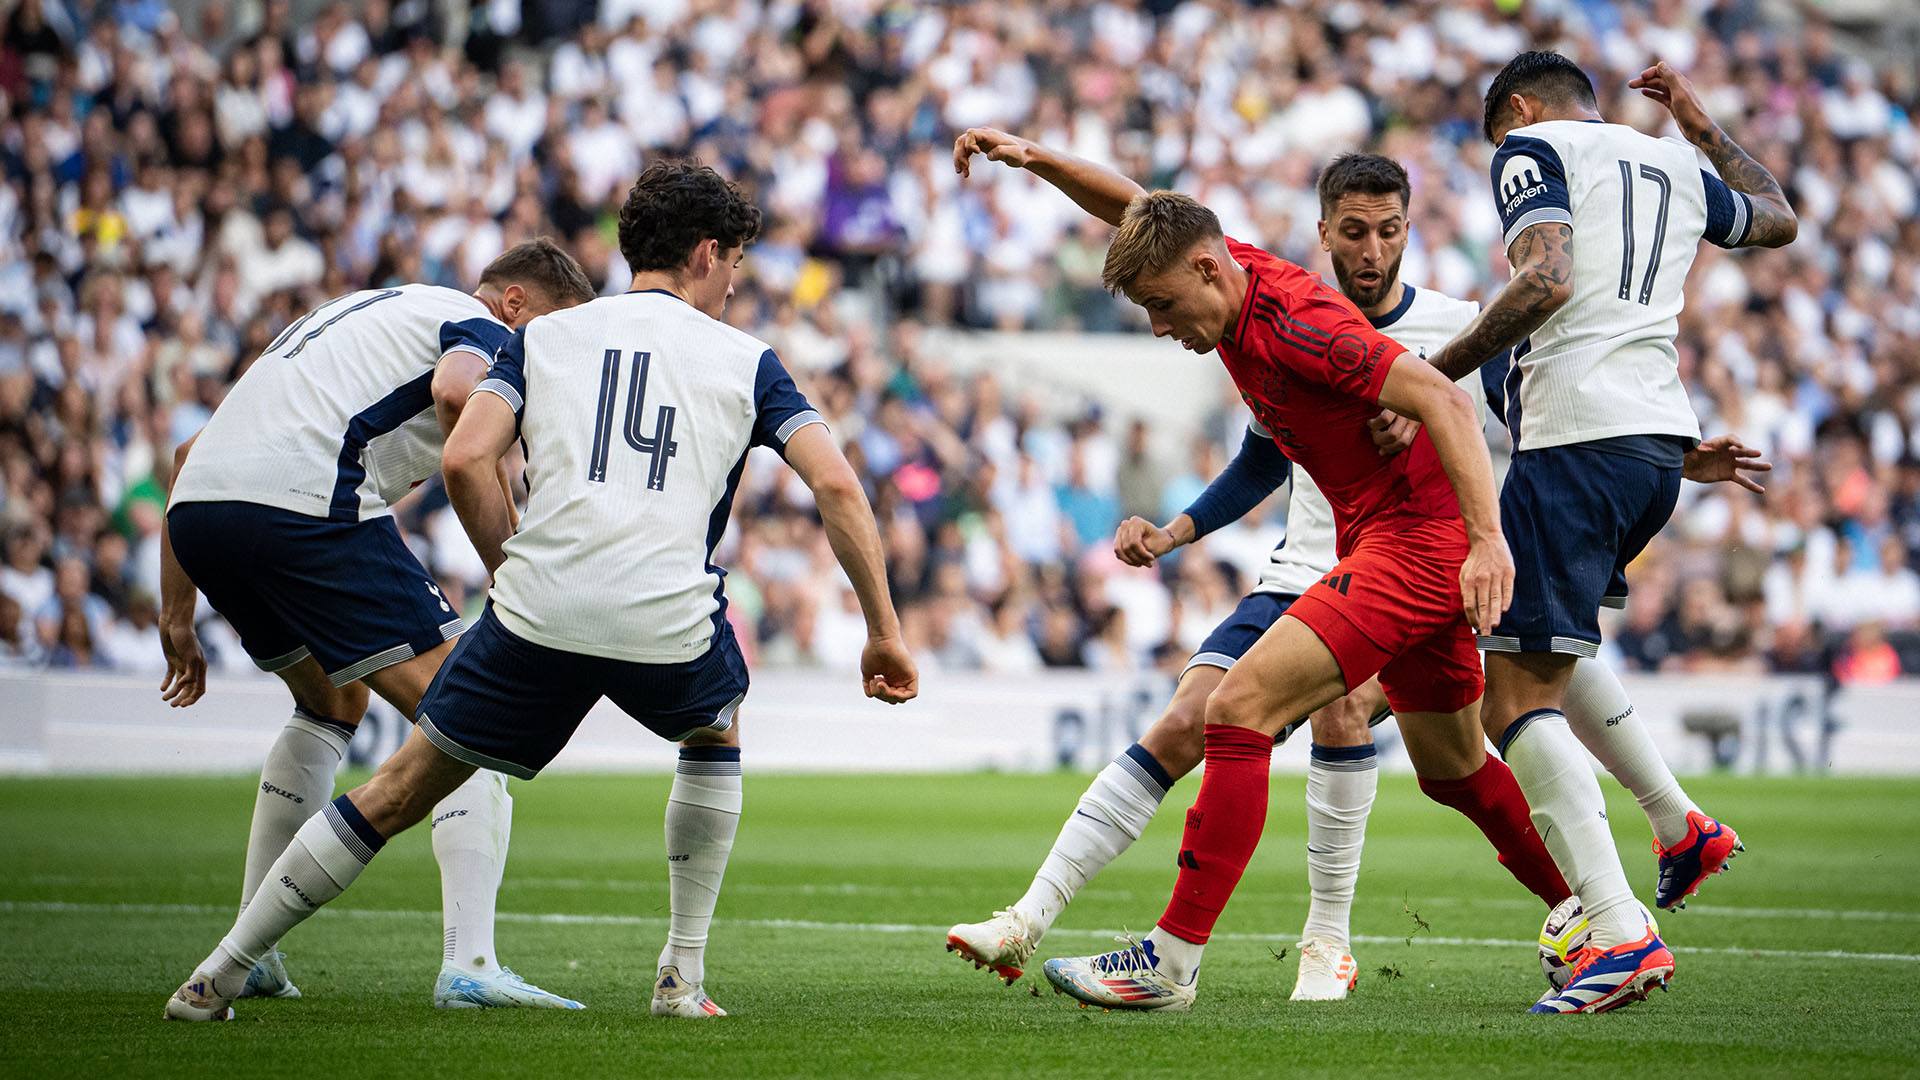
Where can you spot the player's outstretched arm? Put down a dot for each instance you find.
(1097, 189)
(1774, 223)
(887, 671)
(469, 466)
(1542, 282)
(1256, 472)
(1414, 388)
(186, 679)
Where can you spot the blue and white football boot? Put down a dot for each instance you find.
(268, 979)
(1607, 980)
(496, 989)
(1128, 978)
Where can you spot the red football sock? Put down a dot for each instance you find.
(1223, 828)
(1492, 800)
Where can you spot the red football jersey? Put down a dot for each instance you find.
(1310, 366)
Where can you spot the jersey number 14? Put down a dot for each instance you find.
(659, 446)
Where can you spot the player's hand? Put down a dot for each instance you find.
(1138, 542)
(1665, 85)
(996, 144)
(887, 671)
(1722, 459)
(1486, 582)
(186, 679)
(1392, 432)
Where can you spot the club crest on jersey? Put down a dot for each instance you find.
(1520, 180)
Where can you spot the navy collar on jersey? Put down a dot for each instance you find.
(1399, 309)
(662, 292)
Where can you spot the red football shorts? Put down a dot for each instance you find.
(1392, 608)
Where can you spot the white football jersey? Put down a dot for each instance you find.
(1605, 365)
(1423, 321)
(335, 419)
(637, 411)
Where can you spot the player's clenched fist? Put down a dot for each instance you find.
(996, 144)
(1138, 542)
(887, 671)
(1486, 582)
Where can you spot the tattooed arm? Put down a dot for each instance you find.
(1542, 281)
(1774, 223)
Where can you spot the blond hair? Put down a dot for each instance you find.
(1157, 229)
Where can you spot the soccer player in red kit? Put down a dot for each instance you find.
(1422, 558)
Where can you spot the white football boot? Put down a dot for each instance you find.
(1327, 972)
(496, 989)
(268, 979)
(674, 996)
(1004, 943)
(196, 1000)
(1128, 978)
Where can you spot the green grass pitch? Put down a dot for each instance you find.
(828, 947)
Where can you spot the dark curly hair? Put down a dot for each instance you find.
(1362, 174)
(676, 205)
(1552, 78)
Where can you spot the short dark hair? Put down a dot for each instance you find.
(1552, 78)
(676, 205)
(543, 265)
(1362, 174)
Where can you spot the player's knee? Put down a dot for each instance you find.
(1343, 723)
(342, 704)
(1236, 705)
(1178, 739)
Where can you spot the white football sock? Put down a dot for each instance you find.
(703, 813)
(471, 828)
(296, 780)
(1341, 782)
(1109, 817)
(325, 856)
(1173, 956)
(1603, 718)
(1571, 818)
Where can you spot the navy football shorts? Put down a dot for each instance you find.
(1575, 516)
(348, 593)
(1236, 633)
(504, 703)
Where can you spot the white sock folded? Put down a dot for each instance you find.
(1341, 782)
(1571, 818)
(703, 814)
(1109, 817)
(325, 856)
(471, 828)
(296, 780)
(1602, 717)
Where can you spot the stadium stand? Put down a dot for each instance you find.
(181, 182)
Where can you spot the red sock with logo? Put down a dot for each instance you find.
(1492, 800)
(1223, 828)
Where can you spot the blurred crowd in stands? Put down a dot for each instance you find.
(181, 181)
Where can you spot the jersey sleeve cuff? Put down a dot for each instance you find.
(795, 423)
(1742, 219)
(1538, 216)
(504, 390)
(476, 350)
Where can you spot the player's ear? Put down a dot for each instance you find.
(1523, 111)
(513, 301)
(1325, 244)
(706, 254)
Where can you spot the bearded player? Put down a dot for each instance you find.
(1421, 556)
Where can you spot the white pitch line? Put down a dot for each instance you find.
(849, 888)
(60, 907)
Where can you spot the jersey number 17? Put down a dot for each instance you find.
(659, 446)
(1660, 181)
